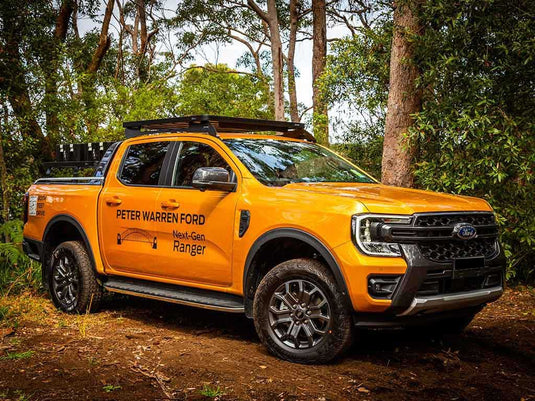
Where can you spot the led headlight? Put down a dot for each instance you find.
(367, 232)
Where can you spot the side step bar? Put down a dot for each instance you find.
(176, 294)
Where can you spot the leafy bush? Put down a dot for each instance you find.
(476, 130)
(17, 271)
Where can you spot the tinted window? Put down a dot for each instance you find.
(143, 163)
(192, 156)
(277, 163)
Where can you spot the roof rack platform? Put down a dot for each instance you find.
(212, 125)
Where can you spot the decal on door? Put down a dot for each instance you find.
(192, 249)
(161, 217)
(191, 243)
(137, 235)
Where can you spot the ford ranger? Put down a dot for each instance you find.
(252, 216)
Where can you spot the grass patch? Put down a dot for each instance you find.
(21, 396)
(211, 392)
(108, 388)
(4, 312)
(24, 307)
(14, 356)
(15, 341)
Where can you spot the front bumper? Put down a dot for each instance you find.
(446, 302)
(409, 305)
(407, 301)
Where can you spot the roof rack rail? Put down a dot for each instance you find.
(211, 125)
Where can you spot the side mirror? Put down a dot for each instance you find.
(215, 178)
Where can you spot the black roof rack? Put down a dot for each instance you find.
(211, 125)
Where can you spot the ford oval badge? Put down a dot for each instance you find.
(464, 231)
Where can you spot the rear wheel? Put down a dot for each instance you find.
(299, 313)
(72, 280)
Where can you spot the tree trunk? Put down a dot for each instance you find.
(19, 98)
(103, 42)
(272, 20)
(292, 90)
(139, 36)
(276, 59)
(50, 66)
(319, 58)
(404, 99)
(87, 82)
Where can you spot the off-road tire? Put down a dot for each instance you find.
(89, 290)
(337, 339)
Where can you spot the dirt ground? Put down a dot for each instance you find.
(136, 349)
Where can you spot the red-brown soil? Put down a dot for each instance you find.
(136, 349)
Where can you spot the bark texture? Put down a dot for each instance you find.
(404, 99)
(140, 35)
(319, 54)
(292, 90)
(50, 65)
(272, 20)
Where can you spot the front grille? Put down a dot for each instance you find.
(450, 219)
(437, 243)
(446, 251)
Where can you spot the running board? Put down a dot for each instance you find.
(176, 294)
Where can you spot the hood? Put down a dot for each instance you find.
(395, 200)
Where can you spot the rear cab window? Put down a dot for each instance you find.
(142, 163)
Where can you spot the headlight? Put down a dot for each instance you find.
(366, 229)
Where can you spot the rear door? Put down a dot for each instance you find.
(127, 208)
(197, 245)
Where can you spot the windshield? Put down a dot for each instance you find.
(277, 163)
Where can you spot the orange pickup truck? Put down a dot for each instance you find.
(207, 211)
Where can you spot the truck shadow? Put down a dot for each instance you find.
(383, 347)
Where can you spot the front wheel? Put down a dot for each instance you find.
(73, 284)
(300, 314)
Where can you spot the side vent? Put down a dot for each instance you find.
(245, 219)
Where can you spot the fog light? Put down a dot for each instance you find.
(382, 287)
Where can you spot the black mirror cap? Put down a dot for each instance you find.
(214, 178)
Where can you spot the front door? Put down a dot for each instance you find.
(127, 206)
(197, 233)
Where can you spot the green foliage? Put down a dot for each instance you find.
(108, 388)
(476, 131)
(366, 154)
(217, 89)
(17, 271)
(14, 356)
(211, 392)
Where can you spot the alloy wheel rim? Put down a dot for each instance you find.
(65, 280)
(299, 314)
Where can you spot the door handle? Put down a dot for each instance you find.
(114, 201)
(170, 204)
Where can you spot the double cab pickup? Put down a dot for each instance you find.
(252, 216)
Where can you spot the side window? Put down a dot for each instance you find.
(143, 163)
(192, 156)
